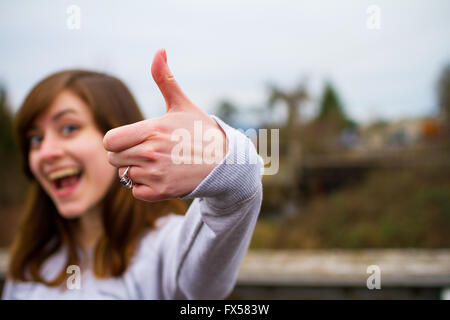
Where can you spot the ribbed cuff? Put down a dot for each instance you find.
(237, 177)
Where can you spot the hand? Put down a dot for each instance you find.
(150, 146)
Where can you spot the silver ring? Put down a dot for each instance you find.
(126, 180)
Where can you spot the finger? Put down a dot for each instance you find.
(124, 137)
(147, 174)
(136, 155)
(121, 171)
(174, 96)
(119, 161)
(147, 193)
(143, 192)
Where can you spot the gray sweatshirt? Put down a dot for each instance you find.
(195, 256)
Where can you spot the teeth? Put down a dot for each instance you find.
(63, 173)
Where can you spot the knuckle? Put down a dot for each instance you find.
(157, 172)
(142, 129)
(164, 192)
(159, 191)
(148, 151)
(159, 126)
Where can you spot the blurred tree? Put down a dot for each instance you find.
(227, 111)
(287, 180)
(293, 100)
(331, 110)
(11, 191)
(444, 97)
(6, 133)
(13, 187)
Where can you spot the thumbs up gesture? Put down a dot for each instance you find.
(152, 148)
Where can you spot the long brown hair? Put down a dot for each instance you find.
(43, 231)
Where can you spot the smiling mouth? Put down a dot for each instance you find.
(65, 181)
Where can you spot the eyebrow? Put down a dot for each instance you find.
(57, 116)
(61, 113)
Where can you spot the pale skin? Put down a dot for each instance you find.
(65, 136)
(145, 146)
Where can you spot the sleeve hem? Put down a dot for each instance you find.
(236, 177)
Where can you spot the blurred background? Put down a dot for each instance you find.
(360, 93)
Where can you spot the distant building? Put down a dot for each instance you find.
(401, 133)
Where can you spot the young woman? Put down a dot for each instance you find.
(129, 244)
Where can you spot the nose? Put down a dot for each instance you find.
(50, 149)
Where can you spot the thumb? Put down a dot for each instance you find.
(174, 96)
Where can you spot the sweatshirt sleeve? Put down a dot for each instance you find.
(201, 255)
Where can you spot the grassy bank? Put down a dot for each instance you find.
(391, 208)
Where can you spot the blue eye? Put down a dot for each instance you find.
(35, 141)
(67, 129)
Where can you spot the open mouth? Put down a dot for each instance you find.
(65, 180)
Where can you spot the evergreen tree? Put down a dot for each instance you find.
(14, 184)
(6, 133)
(331, 110)
(227, 111)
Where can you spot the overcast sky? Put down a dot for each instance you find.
(233, 49)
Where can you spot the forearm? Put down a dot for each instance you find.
(210, 244)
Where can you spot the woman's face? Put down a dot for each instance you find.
(67, 156)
